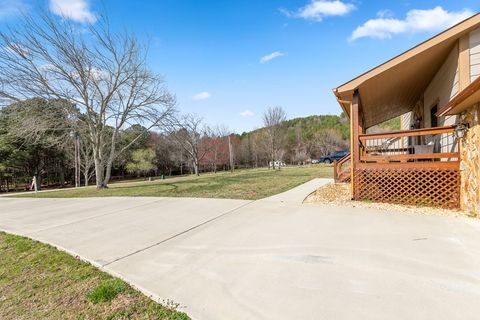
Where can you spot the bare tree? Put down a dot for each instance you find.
(326, 141)
(219, 135)
(41, 121)
(86, 162)
(230, 154)
(300, 155)
(104, 74)
(259, 148)
(189, 131)
(273, 118)
(44, 124)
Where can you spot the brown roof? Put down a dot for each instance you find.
(393, 88)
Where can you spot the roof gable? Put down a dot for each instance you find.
(394, 87)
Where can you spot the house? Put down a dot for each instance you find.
(435, 159)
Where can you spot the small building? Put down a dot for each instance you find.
(435, 159)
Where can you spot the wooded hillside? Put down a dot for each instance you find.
(304, 138)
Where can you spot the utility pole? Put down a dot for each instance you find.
(76, 142)
(181, 162)
(230, 151)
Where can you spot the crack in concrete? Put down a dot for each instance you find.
(177, 235)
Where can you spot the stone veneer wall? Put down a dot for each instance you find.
(470, 162)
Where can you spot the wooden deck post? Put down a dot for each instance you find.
(356, 128)
(335, 170)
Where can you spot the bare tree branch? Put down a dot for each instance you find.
(273, 118)
(188, 131)
(103, 73)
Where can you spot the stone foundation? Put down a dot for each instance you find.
(470, 162)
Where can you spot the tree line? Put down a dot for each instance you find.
(84, 107)
(38, 137)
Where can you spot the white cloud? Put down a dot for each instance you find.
(46, 67)
(76, 10)
(316, 10)
(247, 113)
(16, 49)
(202, 96)
(271, 56)
(385, 26)
(385, 13)
(99, 74)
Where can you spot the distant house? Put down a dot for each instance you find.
(435, 159)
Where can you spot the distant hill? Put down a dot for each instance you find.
(318, 135)
(313, 124)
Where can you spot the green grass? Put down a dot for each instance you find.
(250, 184)
(38, 281)
(106, 291)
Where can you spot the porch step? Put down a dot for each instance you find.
(344, 177)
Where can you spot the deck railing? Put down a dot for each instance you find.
(411, 146)
(341, 169)
(417, 167)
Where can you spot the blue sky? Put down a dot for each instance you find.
(228, 60)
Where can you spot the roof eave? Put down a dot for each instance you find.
(459, 28)
(345, 105)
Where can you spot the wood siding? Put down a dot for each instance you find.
(474, 54)
(443, 87)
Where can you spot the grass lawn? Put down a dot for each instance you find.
(250, 184)
(38, 281)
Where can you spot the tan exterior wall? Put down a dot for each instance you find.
(474, 54)
(443, 87)
(470, 162)
(460, 68)
(412, 120)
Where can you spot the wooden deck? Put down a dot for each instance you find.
(415, 167)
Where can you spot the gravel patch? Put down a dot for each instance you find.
(339, 194)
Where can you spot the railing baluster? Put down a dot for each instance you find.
(401, 146)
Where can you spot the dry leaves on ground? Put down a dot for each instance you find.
(340, 195)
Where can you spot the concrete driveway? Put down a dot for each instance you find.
(269, 259)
